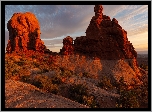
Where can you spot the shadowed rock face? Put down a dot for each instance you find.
(67, 48)
(105, 38)
(24, 33)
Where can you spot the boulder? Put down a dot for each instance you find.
(24, 33)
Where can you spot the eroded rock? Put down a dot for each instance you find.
(105, 38)
(24, 33)
(68, 48)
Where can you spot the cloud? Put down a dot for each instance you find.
(113, 10)
(52, 42)
(68, 22)
(134, 19)
(139, 41)
(132, 13)
(140, 30)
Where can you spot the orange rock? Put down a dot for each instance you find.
(24, 33)
(105, 39)
(67, 48)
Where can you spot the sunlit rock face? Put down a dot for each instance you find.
(24, 33)
(105, 38)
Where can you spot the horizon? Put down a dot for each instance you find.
(59, 21)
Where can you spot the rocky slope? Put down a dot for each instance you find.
(23, 95)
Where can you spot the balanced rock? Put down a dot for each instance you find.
(67, 46)
(105, 38)
(24, 33)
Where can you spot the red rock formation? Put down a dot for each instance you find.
(105, 38)
(67, 46)
(24, 33)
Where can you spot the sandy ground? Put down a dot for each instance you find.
(23, 95)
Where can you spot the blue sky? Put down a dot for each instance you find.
(59, 21)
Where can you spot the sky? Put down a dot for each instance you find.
(59, 21)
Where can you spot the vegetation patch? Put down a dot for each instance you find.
(132, 98)
(143, 66)
(79, 93)
(105, 83)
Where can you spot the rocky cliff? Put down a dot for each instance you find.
(105, 38)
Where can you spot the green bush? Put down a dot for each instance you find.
(43, 82)
(87, 75)
(66, 73)
(11, 68)
(36, 64)
(128, 98)
(25, 78)
(44, 67)
(105, 83)
(33, 56)
(143, 66)
(56, 80)
(90, 101)
(79, 93)
(20, 63)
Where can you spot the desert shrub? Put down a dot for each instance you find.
(56, 80)
(43, 82)
(121, 85)
(90, 101)
(66, 73)
(44, 67)
(36, 64)
(11, 68)
(142, 94)
(143, 66)
(105, 83)
(49, 87)
(25, 78)
(20, 63)
(17, 67)
(79, 93)
(15, 72)
(128, 98)
(45, 70)
(87, 75)
(33, 56)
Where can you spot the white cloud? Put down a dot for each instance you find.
(112, 10)
(132, 13)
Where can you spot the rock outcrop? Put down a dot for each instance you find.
(105, 38)
(24, 33)
(67, 46)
